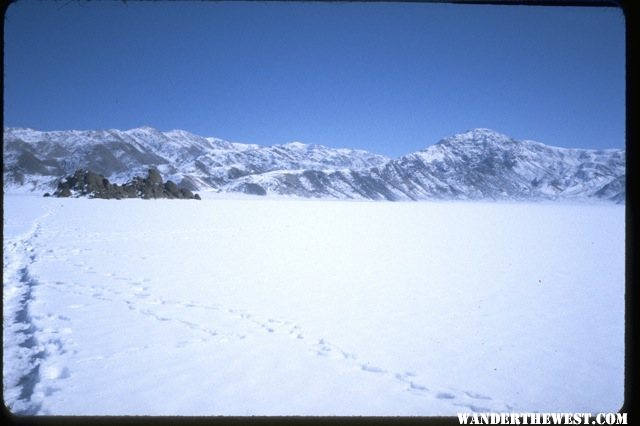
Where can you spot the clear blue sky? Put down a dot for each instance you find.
(391, 78)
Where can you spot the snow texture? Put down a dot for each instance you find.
(262, 306)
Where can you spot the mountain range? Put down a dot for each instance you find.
(478, 164)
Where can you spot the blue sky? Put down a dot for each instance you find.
(391, 78)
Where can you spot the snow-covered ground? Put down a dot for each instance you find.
(253, 306)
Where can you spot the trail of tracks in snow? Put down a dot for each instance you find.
(22, 352)
(27, 347)
(231, 324)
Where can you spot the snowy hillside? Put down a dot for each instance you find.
(483, 164)
(259, 306)
(35, 160)
(479, 164)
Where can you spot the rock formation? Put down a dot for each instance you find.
(85, 183)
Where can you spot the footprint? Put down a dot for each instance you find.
(416, 387)
(405, 377)
(475, 408)
(295, 332)
(327, 349)
(346, 355)
(476, 395)
(445, 395)
(372, 369)
(323, 351)
(211, 307)
(99, 296)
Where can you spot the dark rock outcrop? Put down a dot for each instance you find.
(85, 183)
(253, 189)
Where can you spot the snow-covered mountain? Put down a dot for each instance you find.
(38, 159)
(478, 164)
(484, 164)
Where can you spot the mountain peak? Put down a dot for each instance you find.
(143, 129)
(483, 131)
(480, 134)
(296, 145)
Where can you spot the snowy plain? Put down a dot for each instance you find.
(259, 306)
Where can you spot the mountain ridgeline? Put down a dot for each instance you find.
(476, 165)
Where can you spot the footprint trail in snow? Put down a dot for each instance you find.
(235, 306)
(219, 324)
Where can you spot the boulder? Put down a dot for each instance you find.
(154, 178)
(171, 189)
(184, 193)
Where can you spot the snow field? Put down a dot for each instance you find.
(282, 307)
